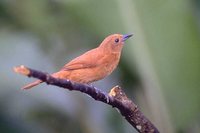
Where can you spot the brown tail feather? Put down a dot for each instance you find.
(37, 82)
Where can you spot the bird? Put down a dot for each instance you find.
(94, 64)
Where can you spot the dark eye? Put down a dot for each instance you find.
(117, 40)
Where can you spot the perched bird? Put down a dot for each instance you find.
(94, 64)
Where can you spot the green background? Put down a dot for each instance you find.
(159, 68)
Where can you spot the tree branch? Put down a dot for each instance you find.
(116, 98)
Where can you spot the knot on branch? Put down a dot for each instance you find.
(118, 94)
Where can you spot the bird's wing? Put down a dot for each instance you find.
(87, 60)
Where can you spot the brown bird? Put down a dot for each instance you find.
(94, 64)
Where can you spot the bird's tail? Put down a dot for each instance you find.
(29, 86)
(37, 82)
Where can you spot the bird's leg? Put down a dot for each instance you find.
(90, 84)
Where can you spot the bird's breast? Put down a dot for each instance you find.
(109, 64)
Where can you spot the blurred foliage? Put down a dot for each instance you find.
(46, 117)
(159, 67)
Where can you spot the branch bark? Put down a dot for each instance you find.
(116, 98)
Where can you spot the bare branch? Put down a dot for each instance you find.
(116, 98)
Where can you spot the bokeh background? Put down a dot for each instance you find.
(159, 68)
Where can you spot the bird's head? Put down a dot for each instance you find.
(114, 43)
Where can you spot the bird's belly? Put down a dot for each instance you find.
(90, 75)
(86, 75)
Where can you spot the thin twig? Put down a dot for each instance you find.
(116, 98)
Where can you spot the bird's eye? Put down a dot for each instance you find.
(117, 40)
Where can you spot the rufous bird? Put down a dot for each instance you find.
(94, 64)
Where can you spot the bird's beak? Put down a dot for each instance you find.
(125, 37)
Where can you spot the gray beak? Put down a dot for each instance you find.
(126, 36)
